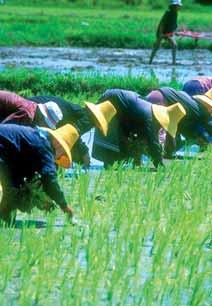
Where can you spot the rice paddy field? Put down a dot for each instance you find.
(140, 237)
(74, 87)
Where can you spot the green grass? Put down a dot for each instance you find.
(146, 243)
(72, 25)
(28, 82)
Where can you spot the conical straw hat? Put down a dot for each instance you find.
(102, 114)
(169, 117)
(65, 137)
(205, 100)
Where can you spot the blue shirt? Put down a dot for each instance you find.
(27, 152)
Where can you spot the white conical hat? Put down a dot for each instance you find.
(176, 2)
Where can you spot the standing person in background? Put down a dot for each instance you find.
(166, 29)
(198, 85)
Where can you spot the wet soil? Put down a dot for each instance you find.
(110, 61)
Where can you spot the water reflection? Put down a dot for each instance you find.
(110, 61)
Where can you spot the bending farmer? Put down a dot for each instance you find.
(16, 109)
(134, 117)
(19, 146)
(76, 115)
(196, 125)
(198, 85)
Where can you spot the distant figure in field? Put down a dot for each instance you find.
(166, 29)
(198, 85)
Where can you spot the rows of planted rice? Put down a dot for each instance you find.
(140, 237)
(29, 82)
(143, 238)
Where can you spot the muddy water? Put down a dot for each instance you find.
(110, 61)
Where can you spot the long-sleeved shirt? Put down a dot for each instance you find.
(16, 109)
(26, 152)
(135, 116)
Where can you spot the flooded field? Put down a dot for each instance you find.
(110, 61)
(141, 237)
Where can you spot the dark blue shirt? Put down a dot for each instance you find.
(196, 115)
(135, 116)
(26, 152)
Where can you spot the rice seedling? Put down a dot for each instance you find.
(143, 239)
(77, 87)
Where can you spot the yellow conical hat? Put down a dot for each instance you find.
(102, 114)
(169, 117)
(209, 94)
(205, 100)
(65, 137)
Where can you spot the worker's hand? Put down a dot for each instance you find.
(86, 160)
(49, 205)
(68, 210)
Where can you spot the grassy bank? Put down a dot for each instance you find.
(145, 242)
(71, 25)
(78, 87)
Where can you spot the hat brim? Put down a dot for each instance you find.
(98, 118)
(161, 114)
(205, 101)
(65, 160)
